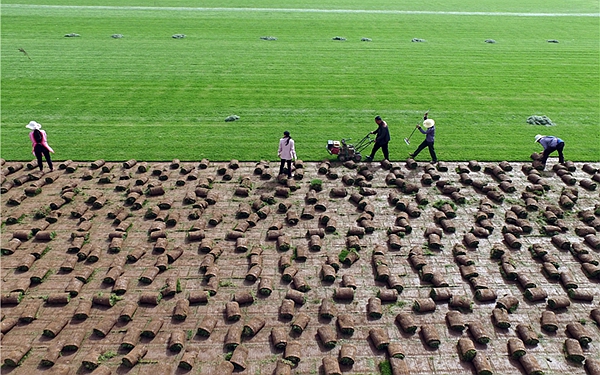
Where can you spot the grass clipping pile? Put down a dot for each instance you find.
(403, 268)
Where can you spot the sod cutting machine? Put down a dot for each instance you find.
(346, 151)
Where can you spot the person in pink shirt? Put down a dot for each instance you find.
(39, 142)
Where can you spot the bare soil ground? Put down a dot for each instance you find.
(68, 220)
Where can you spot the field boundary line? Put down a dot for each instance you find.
(298, 10)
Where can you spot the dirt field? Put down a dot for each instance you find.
(246, 273)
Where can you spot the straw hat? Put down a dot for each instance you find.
(33, 125)
(428, 123)
(538, 137)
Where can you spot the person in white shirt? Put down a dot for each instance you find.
(286, 152)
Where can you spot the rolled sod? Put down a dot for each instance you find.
(531, 365)
(7, 324)
(527, 334)
(206, 326)
(59, 298)
(293, 352)
(188, 360)
(573, 351)
(328, 336)
(579, 332)
(559, 302)
(406, 322)
(73, 341)
(177, 340)
(83, 309)
(232, 311)
(430, 336)
(233, 338)
(300, 322)
(279, 337)
(55, 326)
(466, 349)
(440, 294)
(120, 286)
(424, 305)
(331, 366)
(150, 298)
(90, 361)
(131, 338)
(345, 323)
(51, 356)
(500, 318)
(516, 348)
(16, 355)
(379, 337)
(181, 309)
(374, 309)
(347, 354)
(455, 321)
(398, 366)
(239, 357)
(535, 294)
(327, 309)
(482, 365)
(152, 328)
(286, 309)
(134, 356)
(478, 332)
(128, 311)
(253, 326)
(105, 299)
(283, 367)
(395, 350)
(265, 286)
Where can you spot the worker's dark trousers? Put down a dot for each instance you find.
(431, 150)
(40, 150)
(384, 149)
(559, 147)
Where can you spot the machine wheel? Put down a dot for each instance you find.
(342, 158)
(357, 157)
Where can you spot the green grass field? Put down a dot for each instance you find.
(151, 97)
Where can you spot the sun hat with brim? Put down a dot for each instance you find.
(33, 125)
(428, 123)
(538, 137)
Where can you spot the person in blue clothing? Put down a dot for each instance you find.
(381, 139)
(551, 144)
(429, 125)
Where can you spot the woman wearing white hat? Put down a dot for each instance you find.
(429, 124)
(39, 141)
(551, 144)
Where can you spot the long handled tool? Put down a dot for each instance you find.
(407, 140)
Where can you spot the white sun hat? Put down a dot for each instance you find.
(538, 137)
(33, 125)
(428, 123)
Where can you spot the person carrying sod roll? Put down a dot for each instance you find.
(381, 140)
(429, 125)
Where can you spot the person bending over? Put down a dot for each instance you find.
(551, 144)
